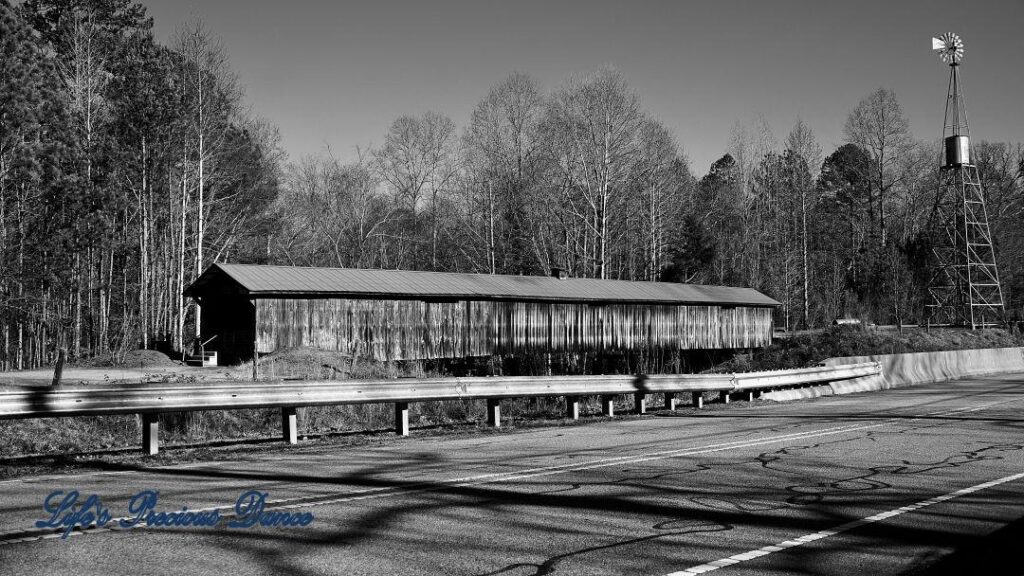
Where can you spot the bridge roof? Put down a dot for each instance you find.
(294, 281)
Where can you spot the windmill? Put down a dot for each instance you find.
(964, 289)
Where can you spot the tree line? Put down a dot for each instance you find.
(127, 166)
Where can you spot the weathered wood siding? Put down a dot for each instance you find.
(412, 329)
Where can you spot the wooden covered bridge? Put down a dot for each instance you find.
(401, 315)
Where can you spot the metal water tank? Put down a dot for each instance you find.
(957, 151)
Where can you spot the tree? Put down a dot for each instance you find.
(32, 150)
(691, 252)
(1001, 171)
(142, 87)
(155, 147)
(248, 178)
(841, 227)
(769, 264)
(503, 148)
(798, 187)
(331, 213)
(803, 158)
(660, 178)
(720, 207)
(593, 131)
(420, 159)
(878, 126)
(210, 97)
(84, 40)
(748, 145)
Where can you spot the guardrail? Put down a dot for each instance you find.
(152, 399)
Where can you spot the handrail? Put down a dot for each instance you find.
(157, 398)
(150, 400)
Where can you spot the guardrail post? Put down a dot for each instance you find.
(608, 405)
(494, 412)
(290, 424)
(750, 395)
(670, 401)
(724, 395)
(572, 407)
(698, 400)
(150, 433)
(640, 403)
(402, 418)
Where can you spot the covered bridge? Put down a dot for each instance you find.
(402, 315)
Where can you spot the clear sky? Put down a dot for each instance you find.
(337, 73)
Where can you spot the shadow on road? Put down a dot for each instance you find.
(997, 554)
(670, 504)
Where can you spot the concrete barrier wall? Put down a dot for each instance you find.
(916, 368)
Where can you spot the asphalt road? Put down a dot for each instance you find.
(925, 480)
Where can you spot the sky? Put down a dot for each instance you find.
(337, 73)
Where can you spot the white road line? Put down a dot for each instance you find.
(381, 492)
(765, 551)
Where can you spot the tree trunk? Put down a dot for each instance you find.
(201, 215)
(21, 280)
(179, 326)
(102, 297)
(77, 283)
(803, 254)
(433, 231)
(5, 314)
(492, 257)
(143, 251)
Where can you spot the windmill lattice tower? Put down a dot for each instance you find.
(964, 289)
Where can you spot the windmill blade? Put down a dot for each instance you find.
(950, 48)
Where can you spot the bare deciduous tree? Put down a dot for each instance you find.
(878, 126)
(503, 145)
(419, 160)
(593, 129)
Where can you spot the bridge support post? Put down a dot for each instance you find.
(150, 433)
(698, 400)
(290, 424)
(494, 412)
(572, 407)
(608, 405)
(670, 401)
(402, 418)
(640, 403)
(724, 395)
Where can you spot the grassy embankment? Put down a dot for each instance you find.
(83, 435)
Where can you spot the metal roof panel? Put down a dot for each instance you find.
(282, 280)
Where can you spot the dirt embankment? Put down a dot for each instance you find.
(142, 366)
(131, 359)
(136, 366)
